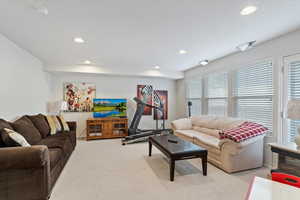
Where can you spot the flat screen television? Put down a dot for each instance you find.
(110, 108)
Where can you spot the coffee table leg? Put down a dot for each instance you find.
(150, 148)
(204, 165)
(172, 168)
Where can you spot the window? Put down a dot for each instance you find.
(216, 94)
(293, 93)
(194, 95)
(244, 93)
(253, 93)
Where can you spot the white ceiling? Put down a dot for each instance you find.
(129, 35)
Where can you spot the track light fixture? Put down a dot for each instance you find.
(246, 46)
(203, 62)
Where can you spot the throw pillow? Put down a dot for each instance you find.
(64, 124)
(28, 131)
(54, 124)
(4, 124)
(13, 139)
(41, 124)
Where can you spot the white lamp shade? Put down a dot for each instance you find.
(293, 111)
(64, 106)
(55, 107)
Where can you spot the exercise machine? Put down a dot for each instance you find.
(137, 135)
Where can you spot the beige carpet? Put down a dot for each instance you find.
(107, 170)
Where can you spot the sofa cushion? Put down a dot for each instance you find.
(61, 141)
(25, 127)
(203, 121)
(55, 155)
(70, 134)
(208, 131)
(23, 119)
(182, 124)
(13, 139)
(213, 122)
(225, 123)
(4, 124)
(188, 133)
(53, 142)
(208, 140)
(41, 124)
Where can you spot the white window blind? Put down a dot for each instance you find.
(217, 94)
(217, 107)
(194, 95)
(217, 85)
(294, 93)
(253, 93)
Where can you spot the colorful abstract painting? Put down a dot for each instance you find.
(160, 98)
(144, 93)
(79, 96)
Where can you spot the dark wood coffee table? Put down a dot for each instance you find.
(181, 150)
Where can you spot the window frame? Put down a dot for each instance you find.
(285, 95)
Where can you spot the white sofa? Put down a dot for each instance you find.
(225, 154)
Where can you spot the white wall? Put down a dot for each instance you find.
(113, 87)
(181, 105)
(275, 50)
(23, 83)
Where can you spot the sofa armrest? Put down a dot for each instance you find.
(25, 173)
(23, 157)
(72, 125)
(182, 124)
(235, 147)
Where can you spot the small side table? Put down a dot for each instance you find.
(288, 158)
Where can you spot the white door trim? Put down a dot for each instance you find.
(284, 97)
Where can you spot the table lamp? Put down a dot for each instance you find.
(63, 106)
(57, 107)
(293, 113)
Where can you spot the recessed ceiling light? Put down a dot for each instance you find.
(157, 67)
(203, 62)
(248, 10)
(87, 62)
(78, 40)
(182, 51)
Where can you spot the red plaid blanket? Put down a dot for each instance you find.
(243, 132)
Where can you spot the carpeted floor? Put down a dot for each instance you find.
(105, 169)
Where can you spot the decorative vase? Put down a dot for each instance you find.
(297, 138)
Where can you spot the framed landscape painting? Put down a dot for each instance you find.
(160, 98)
(144, 93)
(79, 96)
